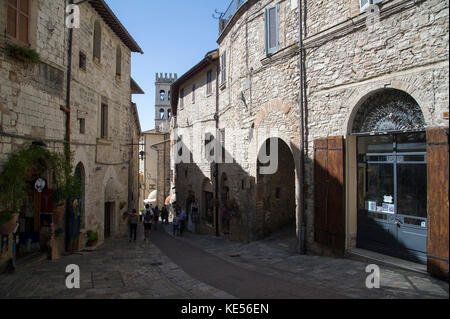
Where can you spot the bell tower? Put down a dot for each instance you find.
(163, 110)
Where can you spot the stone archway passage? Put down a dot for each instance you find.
(275, 193)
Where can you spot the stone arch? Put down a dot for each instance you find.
(276, 200)
(388, 110)
(111, 185)
(360, 96)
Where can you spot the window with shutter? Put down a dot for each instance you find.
(181, 98)
(97, 42)
(271, 29)
(104, 121)
(118, 62)
(18, 20)
(209, 83)
(223, 67)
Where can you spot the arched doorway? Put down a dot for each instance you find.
(275, 193)
(35, 217)
(76, 221)
(389, 127)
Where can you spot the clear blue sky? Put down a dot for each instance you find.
(174, 35)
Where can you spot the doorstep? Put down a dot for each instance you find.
(371, 256)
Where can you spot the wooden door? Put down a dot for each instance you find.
(438, 207)
(108, 214)
(329, 193)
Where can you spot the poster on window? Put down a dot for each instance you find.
(371, 206)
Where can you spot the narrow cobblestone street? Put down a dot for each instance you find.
(204, 267)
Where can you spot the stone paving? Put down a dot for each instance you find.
(275, 256)
(118, 270)
(123, 270)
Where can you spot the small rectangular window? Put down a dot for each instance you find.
(209, 82)
(104, 121)
(271, 29)
(181, 98)
(193, 93)
(82, 61)
(82, 126)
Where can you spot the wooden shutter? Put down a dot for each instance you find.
(224, 66)
(23, 20)
(11, 24)
(329, 193)
(97, 41)
(104, 121)
(438, 207)
(18, 20)
(118, 61)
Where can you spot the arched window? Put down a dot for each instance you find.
(161, 114)
(168, 96)
(162, 95)
(97, 42)
(118, 61)
(169, 114)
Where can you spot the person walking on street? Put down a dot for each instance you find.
(132, 221)
(182, 221)
(156, 214)
(176, 224)
(148, 220)
(165, 215)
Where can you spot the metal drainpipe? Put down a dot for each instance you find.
(216, 165)
(69, 76)
(302, 133)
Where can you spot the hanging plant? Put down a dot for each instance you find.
(22, 54)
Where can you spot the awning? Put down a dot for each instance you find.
(151, 198)
(171, 199)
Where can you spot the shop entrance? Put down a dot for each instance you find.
(392, 195)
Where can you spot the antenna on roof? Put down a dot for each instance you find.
(217, 15)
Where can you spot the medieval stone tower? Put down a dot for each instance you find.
(163, 111)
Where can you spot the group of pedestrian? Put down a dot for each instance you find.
(150, 218)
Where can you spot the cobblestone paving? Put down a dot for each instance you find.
(118, 270)
(347, 277)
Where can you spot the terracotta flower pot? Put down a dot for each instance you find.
(8, 227)
(92, 243)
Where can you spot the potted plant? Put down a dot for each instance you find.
(8, 221)
(25, 55)
(92, 239)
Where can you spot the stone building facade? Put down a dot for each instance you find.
(104, 126)
(365, 81)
